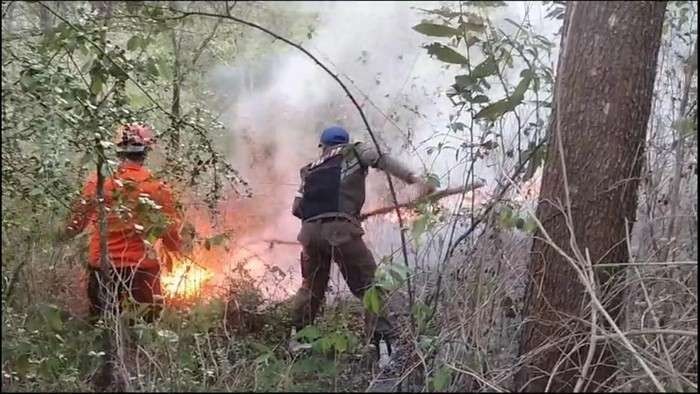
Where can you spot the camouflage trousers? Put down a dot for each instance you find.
(341, 241)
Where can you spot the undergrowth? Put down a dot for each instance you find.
(201, 347)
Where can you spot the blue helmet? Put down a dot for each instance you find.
(334, 135)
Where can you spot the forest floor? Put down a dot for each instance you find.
(215, 344)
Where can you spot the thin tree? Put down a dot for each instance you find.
(605, 80)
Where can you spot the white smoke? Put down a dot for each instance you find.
(281, 103)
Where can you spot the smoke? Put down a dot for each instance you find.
(276, 106)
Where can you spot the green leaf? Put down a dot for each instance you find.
(52, 317)
(686, 126)
(422, 313)
(505, 218)
(86, 67)
(536, 159)
(134, 42)
(259, 347)
(434, 30)
(485, 68)
(473, 26)
(166, 68)
(445, 54)
(385, 281)
(339, 342)
(465, 82)
(478, 99)
(152, 68)
(544, 41)
(530, 225)
(371, 300)
(434, 179)
(323, 345)
(152, 237)
(400, 272)
(557, 13)
(264, 358)
(21, 364)
(118, 73)
(519, 92)
(495, 110)
(442, 378)
(309, 333)
(96, 84)
(419, 226)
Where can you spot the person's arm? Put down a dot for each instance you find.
(82, 210)
(296, 205)
(369, 157)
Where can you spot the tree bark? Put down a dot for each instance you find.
(605, 83)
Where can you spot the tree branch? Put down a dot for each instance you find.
(415, 202)
(359, 109)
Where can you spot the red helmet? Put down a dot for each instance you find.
(134, 137)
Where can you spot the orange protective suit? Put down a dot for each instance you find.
(138, 207)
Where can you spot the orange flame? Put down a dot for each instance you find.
(185, 280)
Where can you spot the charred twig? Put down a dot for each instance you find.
(438, 195)
(272, 242)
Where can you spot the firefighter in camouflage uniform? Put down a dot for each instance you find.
(329, 202)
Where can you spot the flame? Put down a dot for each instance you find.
(185, 280)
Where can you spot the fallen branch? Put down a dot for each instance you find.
(272, 242)
(438, 195)
(380, 211)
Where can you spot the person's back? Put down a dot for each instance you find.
(334, 185)
(139, 207)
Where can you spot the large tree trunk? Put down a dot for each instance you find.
(604, 89)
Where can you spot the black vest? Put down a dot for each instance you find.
(334, 184)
